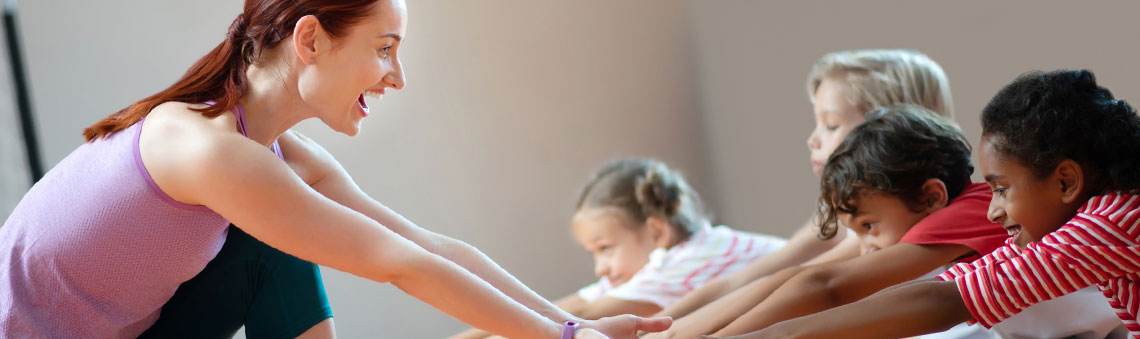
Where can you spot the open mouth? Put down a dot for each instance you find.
(1013, 229)
(362, 104)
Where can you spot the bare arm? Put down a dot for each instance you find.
(913, 309)
(240, 180)
(333, 181)
(803, 246)
(846, 249)
(601, 308)
(721, 312)
(821, 287)
(571, 303)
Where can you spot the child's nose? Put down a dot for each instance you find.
(813, 140)
(995, 213)
(601, 268)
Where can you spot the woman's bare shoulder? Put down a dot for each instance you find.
(307, 157)
(179, 146)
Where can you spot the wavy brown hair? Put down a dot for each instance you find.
(895, 152)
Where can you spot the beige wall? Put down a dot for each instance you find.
(752, 58)
(511, 104)
(509, 107)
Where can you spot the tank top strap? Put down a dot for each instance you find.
(239, 112)
(277, 150)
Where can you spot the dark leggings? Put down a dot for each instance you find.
(275, 295)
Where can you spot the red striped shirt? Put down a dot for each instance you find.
(1099, 246)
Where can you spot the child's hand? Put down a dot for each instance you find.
(626, 326)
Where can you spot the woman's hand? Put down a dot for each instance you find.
(626, 326)
(588, 333)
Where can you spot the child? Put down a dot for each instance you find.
(1058, 151)
(901, 183)
(651, 240)
(842, 87)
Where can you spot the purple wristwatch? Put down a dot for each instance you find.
(568, 329)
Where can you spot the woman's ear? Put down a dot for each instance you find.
(1070, 180)
(934, 195)
(659, 232)
(309, 39)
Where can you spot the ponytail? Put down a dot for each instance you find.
(220, 74)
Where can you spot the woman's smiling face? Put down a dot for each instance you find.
(364, 62)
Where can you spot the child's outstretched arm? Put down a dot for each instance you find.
(820, 287)
(906, 310)
(804, 246)
(721, 312)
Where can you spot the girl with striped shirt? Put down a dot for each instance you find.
(1059, 153)
(651, 240)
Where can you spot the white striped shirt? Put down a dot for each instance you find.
(1097, 246)
(670, 274)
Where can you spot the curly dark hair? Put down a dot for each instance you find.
(895, 152)
(1041, 119)
(644, 188)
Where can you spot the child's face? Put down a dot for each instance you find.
(619, 249)
(835, 116)
(1027, 206)
(880, 220)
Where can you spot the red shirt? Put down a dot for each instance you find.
(962, 222)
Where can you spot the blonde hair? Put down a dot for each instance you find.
(884, 77)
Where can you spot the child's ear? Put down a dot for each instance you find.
(1070, 180)
(659, 231)
(934, 195)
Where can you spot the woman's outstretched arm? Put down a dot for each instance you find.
(332, 181)
(245, 183)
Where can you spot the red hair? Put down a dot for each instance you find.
(220, 74)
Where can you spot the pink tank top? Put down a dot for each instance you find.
(95, 248)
